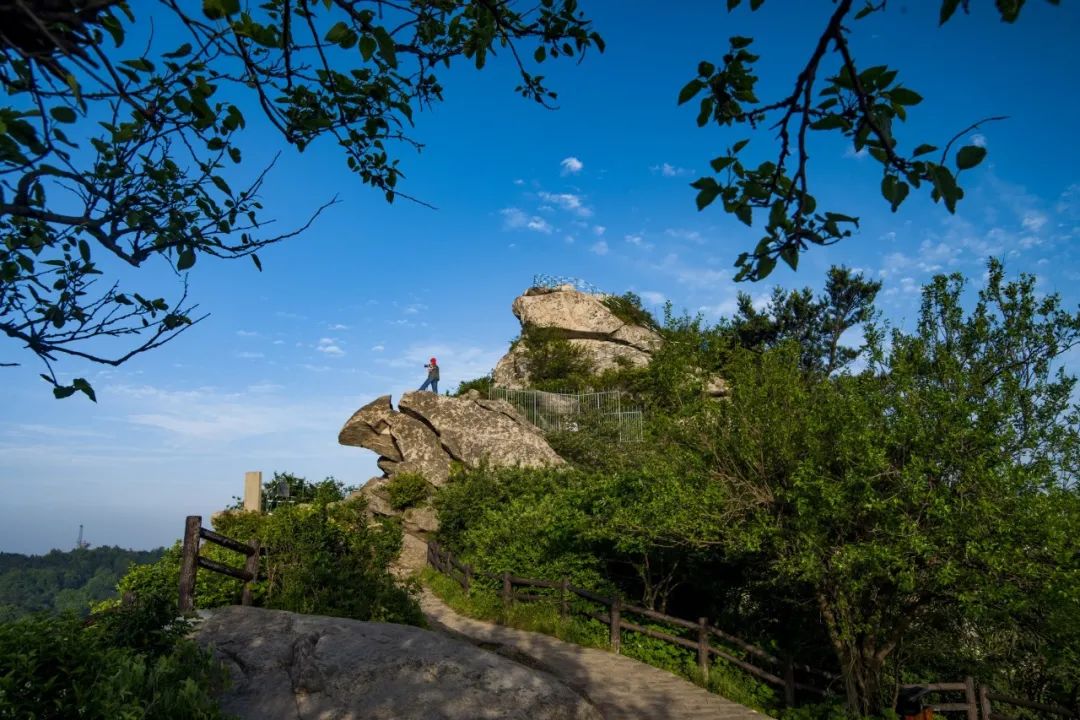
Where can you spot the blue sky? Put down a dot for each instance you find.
(597, 189)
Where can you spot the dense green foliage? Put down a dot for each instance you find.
(407, 490)
(131, 661)
(63, 581)
(909, 517)
(322, 557)
(555, 364)
(286, 487)
(481, 384)
(627, 307)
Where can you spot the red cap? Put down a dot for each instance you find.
(432, 361)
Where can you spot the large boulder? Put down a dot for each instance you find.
(475, 431)
(301, 667)
(583, 320)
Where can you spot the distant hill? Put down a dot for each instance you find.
(59, 581)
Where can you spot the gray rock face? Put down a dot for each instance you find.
(302, 667)
(585, 322)
(429, 433)
(477, 431)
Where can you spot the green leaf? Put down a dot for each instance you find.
(948, 7)
(790, 255)
(187, 259)
(830, 122)
(903, 96)
(540, 55)
(745, 213)
(367, 47)
(689, 90)
(738, 42)
(739, 146)
(923, 149)
(179, 52)
(969, 156)
(218, 9)
(765, 267)
(258, 263)
(386, 46)
(718, 164)
(84, 387)
(63, 113)
(337, 33)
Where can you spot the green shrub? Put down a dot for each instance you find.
(130, 662)
(324, 558)
(407, 490)
(481, 384)
(627, 307)
(555, 364)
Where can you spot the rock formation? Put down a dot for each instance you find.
(300, 667)
(425, 435)
(585, 322)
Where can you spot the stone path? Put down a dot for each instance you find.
(619, 687)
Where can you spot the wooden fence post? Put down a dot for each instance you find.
(703, 648)
(984, 701)
(616, 634)
(564, 599)
(969, 697)
(189, 564)
(507, 591)
(468, 578)
(251, 566)
(789, 681)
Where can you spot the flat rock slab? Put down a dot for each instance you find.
(620, 687)
(287, 666)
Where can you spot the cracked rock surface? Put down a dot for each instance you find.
(585, 322)
(287, 666)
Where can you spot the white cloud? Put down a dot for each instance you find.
(519, 181)
(599, 230)
(515, 219)
(599, 248)
(249, 355)
(978, 140)
(328, 346)
(337, 326)
(247, 333)
(571, 165)
(1033, 221)
(377, 348)
(850, 152)
(669, 170)
(567, 201)
(633, 239)
(652, 297)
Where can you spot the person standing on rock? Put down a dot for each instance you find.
(432, 377)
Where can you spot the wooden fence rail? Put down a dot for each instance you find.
(975, 705)
(191, 561)
(703, 633)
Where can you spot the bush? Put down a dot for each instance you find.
(125, 663)
(482, 385)
(407, 490)
(323, 558)
(555, 364)
(627, 307)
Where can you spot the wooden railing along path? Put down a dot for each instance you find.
(783, 671)
(191, 561)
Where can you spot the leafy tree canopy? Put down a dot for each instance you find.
(115, 150)
(831, 93)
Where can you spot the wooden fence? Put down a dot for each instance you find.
(982, 703)
(191, 561)
(781, 672)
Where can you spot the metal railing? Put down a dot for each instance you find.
(567, 412)
(543, 280)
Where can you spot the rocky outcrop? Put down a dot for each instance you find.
(585, 322)
(430, 431)
(301, 667)
(425, 435)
